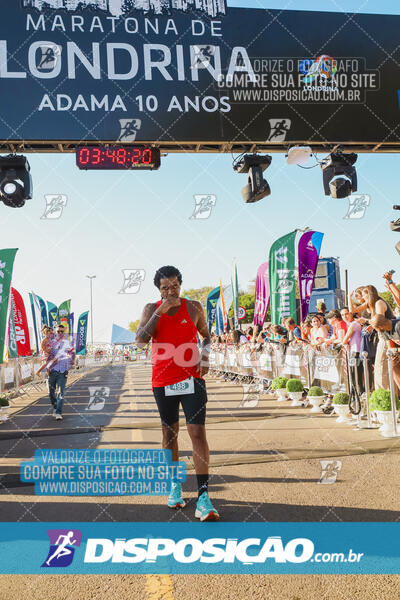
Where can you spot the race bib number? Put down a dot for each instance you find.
(180, 388)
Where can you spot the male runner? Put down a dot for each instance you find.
(173, 323)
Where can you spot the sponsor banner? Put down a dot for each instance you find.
(37, 319)
(261, 301)
(63, 314)
(43, 311)
(195, 548)
(308, 254)
(81, 334)
(7, 257)
(235, 293)
(12, 336)
(71, 325)
(223, 305)
(326, 369)
(21, 324)
(53, 313)
(189, 70)
(282, 278)
(211, 308)
(293, 363)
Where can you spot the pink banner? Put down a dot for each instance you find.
(308, 253)
(21, 324)
(261, 295)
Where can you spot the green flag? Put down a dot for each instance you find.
(7, 257)
(63, 314)
(282, 278)
(235, 293)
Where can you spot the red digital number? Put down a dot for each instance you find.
(121, 156)
(147, 155)
(84, 156)
(136, 156)
(96, 156)
(110, 154)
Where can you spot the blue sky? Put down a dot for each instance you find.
(116, 221)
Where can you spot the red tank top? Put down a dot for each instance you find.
(174, 351)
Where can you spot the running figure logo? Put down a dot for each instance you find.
(279, 129)
(61, 551)
(358, 204)
(50, 54)
(202, 56)
(330, 470)
(251, 396)
(55, 204)
(97, 397)
(129, 129)
(203, 204)
(132, 280)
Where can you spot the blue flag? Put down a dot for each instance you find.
(81, 333)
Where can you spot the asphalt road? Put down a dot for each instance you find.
(265, 466)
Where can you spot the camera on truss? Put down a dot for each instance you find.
(257, 187)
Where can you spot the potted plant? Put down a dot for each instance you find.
(380, 402)
(279, 386)
(295, 389)
(4, 405)
(316, 397)
(341, 406)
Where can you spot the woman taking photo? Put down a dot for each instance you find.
(375, 305)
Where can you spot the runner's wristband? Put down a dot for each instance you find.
(390, 281)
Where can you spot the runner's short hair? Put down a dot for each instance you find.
(60, 326)
(166, 273)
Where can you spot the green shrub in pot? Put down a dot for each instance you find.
(294, 385)
(380, 400)
(315, 391)
(279, 383)
(341, 398)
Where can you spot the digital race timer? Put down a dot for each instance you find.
(117, 157)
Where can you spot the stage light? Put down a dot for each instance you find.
(257, 187)
(339, 174)
(298, 155)
(15, 180)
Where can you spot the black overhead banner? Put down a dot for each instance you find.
(195, 70)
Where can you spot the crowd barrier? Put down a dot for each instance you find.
(18, 375)
(327, 368)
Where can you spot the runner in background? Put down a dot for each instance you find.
(178, 369)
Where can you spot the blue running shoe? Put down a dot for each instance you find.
(175, 499)
(205, 510)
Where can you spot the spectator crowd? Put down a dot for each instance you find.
(367, 324)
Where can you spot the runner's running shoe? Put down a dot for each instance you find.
(205, 510)
(175, 499)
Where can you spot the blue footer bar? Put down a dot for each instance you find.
(195, 548)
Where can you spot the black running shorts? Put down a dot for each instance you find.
(194, 405)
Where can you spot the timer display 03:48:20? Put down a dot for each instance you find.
(118, 157)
